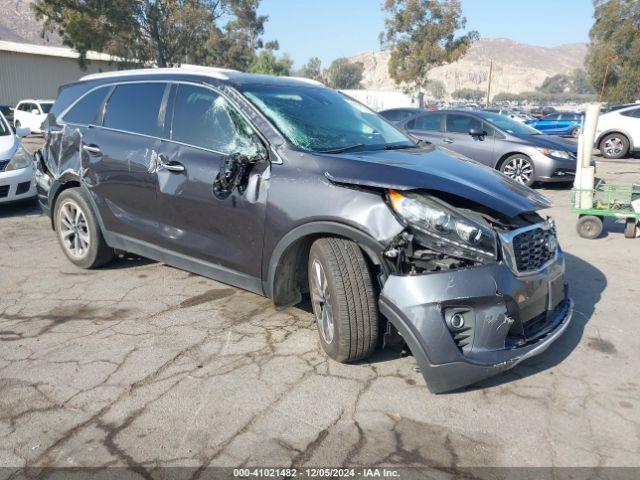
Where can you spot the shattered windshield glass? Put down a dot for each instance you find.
(321, 119)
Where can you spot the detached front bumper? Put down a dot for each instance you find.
(506, 319)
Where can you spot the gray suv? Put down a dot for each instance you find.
(517, 150)
(291, 190)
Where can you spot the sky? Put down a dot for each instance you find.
(329, 29)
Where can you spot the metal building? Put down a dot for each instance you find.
(36, 71)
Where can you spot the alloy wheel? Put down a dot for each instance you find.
(613, 146)
(519, 169)
(321, 302)
(74, 230)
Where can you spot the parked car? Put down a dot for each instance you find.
(539, 112)
(16, 165)
(282, 186)
(31, 114)
(618, 132)
(520, 152)
(564, 123)
(399, 115)
(7, 111)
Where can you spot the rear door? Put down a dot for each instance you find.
(119, 155)
(427, 126)
(205, 130)
(456, 137)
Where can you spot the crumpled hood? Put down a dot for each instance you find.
(433, 169)
(8, 146)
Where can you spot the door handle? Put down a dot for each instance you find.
(172, 166)
(92, 149)
(447, 140)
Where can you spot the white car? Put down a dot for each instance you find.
(618, 131)
(17, 173)
(31, 114)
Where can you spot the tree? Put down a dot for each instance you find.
(615, 32)
(421, 35)
(266, 62)
(312, 69)
(344, 74)
(559, 83)
(164, 32)
(580, 82)
(160, 32)
(436, 88)
(468, 94)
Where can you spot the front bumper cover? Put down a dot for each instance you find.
(499, 306)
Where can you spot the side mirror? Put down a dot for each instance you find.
(22, 132)
(476, 132)
(35, 111)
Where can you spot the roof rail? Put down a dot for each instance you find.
(218, 73)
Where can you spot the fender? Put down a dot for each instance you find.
(371, 247)
(632, 143)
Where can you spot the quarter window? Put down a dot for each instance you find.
(134, 108)
(635, 112)
(85, 112)
(205, 119)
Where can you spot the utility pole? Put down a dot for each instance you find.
(489, 86)
(606, 74)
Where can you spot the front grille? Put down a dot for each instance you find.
(534, 248)
(4, 190)
(23, 187)
(3, 164)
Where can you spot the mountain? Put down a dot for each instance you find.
(517, 67)
(18, 24)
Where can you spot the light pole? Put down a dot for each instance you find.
(606, 74)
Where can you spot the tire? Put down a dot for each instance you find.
(589, 226)
(16, 124)
(630, 228)
(343, 299)
(614, 145)
(519, 167)
(575, 132)
(78, 233)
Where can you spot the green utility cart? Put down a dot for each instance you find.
(605, 200)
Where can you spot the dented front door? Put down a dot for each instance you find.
(224, 230)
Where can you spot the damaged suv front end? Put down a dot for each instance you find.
(472, 295)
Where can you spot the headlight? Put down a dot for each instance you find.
(447, 230)
(555, 153)
(20, 159)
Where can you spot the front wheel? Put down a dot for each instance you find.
(343, 299)
(78, 232)
(519, 167)
(614, 145)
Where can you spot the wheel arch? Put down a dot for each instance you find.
(619, 131)
(61, 184)
(286, 272)
(507, 155)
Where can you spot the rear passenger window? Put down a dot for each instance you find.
(631, 113)
(429, 123)
(202, 118)
(85, 112)
(134, 108)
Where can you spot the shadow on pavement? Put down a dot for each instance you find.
(22, 208)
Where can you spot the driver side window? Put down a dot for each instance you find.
(205, 119)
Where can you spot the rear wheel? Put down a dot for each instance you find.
(78, 232)
(575, 132)
(589, 226)
(630, 227)
(343, 299)
(17, 124)
(519, 167)
(614, 145)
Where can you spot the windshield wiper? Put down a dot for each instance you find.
(342, 149)
(392, 146)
